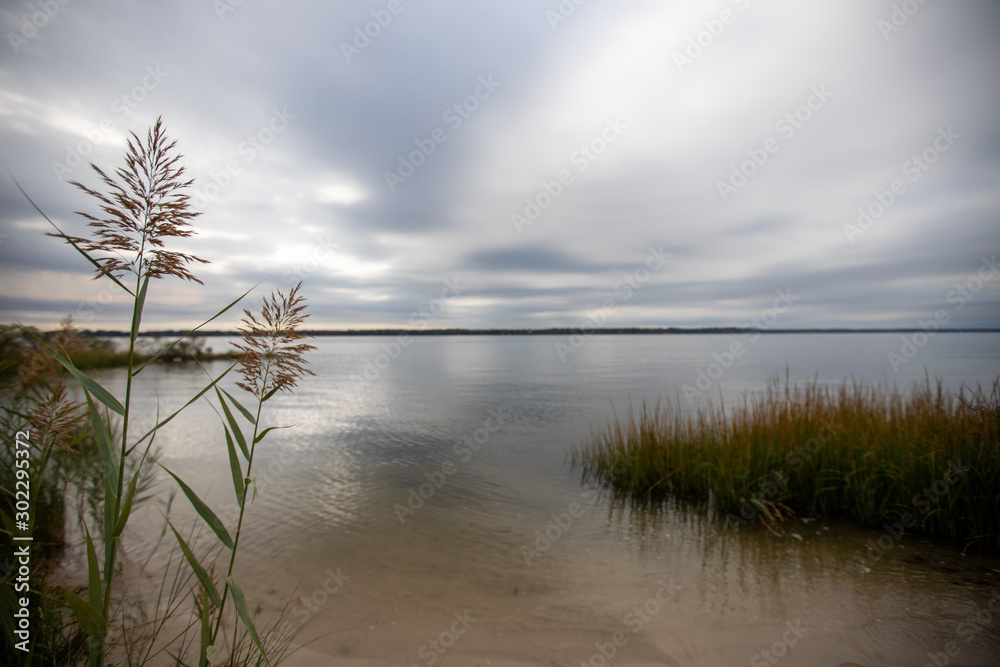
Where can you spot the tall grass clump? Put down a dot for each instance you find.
(143, 209)
(863, 452)
(22, 353)
(40, 414)
(23, 356)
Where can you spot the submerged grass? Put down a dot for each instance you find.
(928, 459)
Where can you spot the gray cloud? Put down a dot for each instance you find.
(312, 200)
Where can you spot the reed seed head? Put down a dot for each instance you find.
(55, 415)
(142, 208)
(272, 358)
(38, 363)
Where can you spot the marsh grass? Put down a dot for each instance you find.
(863, 452)
(22, 353)
(64, 451)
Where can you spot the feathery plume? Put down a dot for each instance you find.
(142, 210)
(54, 414)
(39, 363)
(271, 356)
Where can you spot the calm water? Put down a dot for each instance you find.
(537, 568)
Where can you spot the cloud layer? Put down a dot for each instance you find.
(534, 154)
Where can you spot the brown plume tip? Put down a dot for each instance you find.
(272, 356)
(142, 207)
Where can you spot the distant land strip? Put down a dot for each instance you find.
(557, 331)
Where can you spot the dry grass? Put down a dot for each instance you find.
(858, 451)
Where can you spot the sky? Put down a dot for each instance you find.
(520, 164)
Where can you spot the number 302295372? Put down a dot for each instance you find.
(23, 483)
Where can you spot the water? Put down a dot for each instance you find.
(507, 550)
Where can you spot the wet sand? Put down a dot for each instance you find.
(673, 593)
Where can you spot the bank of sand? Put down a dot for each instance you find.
(826, 600)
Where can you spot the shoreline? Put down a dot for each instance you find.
(551, 331)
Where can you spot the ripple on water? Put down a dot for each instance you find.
(488, 539)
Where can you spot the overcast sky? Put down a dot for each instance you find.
(537, 163)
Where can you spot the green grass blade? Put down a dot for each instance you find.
(149, 445)
(237, 433)
(239, 484)
(239, 406)
(140, 302)
(103, 437)
(244, 614)
(181, 409)
(99, 392)
(127, 504)
(199, 570)
(171, 346)
(206, 633)
(110, 543)
(271, 393)
(91, 620)
(94, 596)
(69, 240)
(263, 433)
(204, 512)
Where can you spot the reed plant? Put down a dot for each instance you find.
(143, 208)
(859, 451)
(23, 355)
(43, 416)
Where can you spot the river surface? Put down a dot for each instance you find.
(423, 507)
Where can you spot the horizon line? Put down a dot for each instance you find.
(460, 331)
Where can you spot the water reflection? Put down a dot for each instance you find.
(331, 488)
(910, 602)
